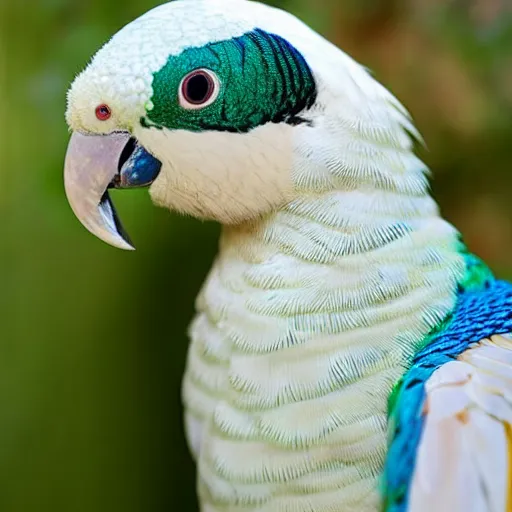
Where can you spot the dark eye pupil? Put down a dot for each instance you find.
(198, 88)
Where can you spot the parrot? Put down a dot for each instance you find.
(348, 351)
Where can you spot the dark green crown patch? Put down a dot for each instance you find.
(264, 79)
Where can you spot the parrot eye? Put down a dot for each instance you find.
(103, 112)
(199, 89)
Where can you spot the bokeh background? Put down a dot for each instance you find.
(92, 339)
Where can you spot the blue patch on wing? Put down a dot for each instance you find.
(478, 314)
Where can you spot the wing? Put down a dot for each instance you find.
(451, 416)
(463, 461)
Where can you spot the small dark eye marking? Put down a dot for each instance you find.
(199, 89)
(103, 112)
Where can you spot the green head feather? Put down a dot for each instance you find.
(263, 79)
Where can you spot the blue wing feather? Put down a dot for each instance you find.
(478, 314)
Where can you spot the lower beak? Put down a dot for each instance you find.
(95, 163)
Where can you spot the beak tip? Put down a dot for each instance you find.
(128, 247)
(116, 240)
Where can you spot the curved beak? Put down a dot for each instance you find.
(95, 163)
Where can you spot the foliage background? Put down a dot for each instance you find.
(92, 339)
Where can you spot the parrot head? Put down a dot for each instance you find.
(227, 109)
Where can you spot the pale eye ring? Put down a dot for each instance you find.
(199, 89)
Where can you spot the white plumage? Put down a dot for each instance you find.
(333, 266)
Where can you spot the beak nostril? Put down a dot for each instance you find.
(127, 152)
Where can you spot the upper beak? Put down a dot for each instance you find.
(95, 163)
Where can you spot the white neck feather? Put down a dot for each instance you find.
(307, 320)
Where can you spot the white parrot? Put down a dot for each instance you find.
(348, 352)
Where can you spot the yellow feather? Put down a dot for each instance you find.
(508, 434)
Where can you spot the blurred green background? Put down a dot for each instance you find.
(92, 339)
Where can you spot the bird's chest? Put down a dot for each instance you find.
(279, 421)
(299, 339)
